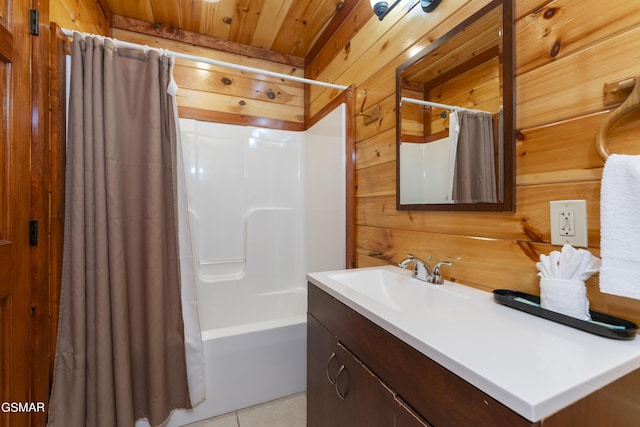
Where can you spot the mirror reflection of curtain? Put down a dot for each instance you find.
(474, 176)
(120, 353)
(454, 131)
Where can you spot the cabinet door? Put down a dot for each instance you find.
(364, 400)
(406, 417)
(322, 369)
(341, 391)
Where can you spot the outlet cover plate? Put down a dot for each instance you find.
(568, 219)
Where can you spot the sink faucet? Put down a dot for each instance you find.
(422, 271)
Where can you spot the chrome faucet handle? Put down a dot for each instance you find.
(420, 268)
(436, 276)
(405, 262)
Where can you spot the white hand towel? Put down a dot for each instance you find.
(620, 226)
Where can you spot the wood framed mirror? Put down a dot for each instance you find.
(455, 133)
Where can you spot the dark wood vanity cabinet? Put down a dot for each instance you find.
(342, 390)
(358, 374)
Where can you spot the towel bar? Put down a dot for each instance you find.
(615, 93)
(630, 104)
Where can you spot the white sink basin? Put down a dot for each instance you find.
(397, 291)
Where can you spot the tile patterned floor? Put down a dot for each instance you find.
(290, 411)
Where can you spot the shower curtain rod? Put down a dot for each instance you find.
(436, 104)
(119, 43)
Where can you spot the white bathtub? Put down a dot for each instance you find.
(254, 362)
(253, 242)
(253, 322)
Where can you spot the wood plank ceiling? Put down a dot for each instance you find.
(288, 27)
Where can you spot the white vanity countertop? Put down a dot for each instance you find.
(532, 365)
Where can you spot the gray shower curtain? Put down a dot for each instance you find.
(120, 351)
(474, 173)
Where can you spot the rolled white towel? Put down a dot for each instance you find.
(565, 296)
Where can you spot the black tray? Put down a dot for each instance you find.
(601, 324)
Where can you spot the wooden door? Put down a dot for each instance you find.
(15, 127)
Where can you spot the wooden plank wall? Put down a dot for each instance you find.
(206, 91)
(565, 51)
(80, 15)
(230, 92)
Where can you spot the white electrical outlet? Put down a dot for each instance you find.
(568, 220)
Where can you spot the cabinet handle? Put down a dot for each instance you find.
(331, 380)
(342, 396)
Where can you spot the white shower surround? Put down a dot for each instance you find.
(288, 189)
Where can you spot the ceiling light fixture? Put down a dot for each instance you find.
(382, 8)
